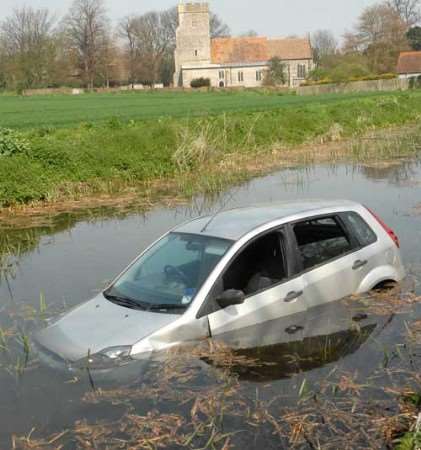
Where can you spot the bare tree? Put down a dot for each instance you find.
(380, 34)
(217, 27)
(3, 80)
(87, 31)
(324, 44)
(150, 44)
(28, 45)
(153, 38)
(171, 22)
(408, 10)
(126, 30)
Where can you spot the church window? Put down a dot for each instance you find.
(301, 71)
(196, 53)
(221, 74)
(240, 77)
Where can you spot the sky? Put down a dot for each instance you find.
(266, 17)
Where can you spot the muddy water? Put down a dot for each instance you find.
(70, 261)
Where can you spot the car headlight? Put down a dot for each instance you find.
(106, 359)
(117, 352)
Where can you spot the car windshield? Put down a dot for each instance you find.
(169, 275)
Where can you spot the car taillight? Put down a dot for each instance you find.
(388, 230)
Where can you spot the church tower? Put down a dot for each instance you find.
(193, 38)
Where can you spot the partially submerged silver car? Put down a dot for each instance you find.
(226, 272)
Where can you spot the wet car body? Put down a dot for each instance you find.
(267, 263)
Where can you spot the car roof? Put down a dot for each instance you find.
(235, 223)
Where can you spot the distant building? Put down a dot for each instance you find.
(233, 62)
(409, 65)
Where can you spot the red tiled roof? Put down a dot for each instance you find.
(409, 62)
(290, 48)
(234, 50)
(258, 49)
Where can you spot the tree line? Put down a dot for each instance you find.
(83, 49)
(381, 32)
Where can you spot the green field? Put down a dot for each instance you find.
(67, 110)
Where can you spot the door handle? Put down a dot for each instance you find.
(294, 329)
(358, 264)
(293, 296)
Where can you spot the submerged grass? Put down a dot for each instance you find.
(195, 398)
(180, 155)
(18, 321)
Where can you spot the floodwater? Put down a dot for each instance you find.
(71, 260)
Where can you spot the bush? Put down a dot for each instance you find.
(200, 82)
(114, 123)
(276, 75)
(3, 83)
(384, 76)
(12, 142)
(322, 81)
(318, 74)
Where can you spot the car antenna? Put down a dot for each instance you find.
(212, 218)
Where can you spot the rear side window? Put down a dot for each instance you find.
(321, 240)
(360, 229)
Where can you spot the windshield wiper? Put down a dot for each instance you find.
(165, 307)
(125, 301)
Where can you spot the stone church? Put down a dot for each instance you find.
(232, 62)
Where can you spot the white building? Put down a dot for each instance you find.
(233, 62)
(409, 65)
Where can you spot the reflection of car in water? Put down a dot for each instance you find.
(266, 352)
(280, 349)
(228, 272)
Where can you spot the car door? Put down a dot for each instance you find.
(282, 298)
(328, 255)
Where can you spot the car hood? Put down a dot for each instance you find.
(97, 325)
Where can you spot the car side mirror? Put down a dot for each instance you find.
(231, 298)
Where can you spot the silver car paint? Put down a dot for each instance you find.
(323, 320)
(256, 309)
(97, 325)
(151, 332)
(383, 257)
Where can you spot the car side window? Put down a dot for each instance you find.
(321, 240)
(258, 267)
(359, 227)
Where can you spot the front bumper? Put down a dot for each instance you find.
(126, 373)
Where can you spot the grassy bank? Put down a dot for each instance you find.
(116, 156)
